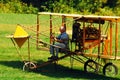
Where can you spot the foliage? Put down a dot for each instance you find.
(99, 7)
(15, 6)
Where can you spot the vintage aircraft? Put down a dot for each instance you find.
(94, 40)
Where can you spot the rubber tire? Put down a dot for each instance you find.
(107, 65)
(87, 64)
(28, 66)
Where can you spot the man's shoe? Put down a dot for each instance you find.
(51, 57)
(55, 57)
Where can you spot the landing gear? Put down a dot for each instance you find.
(110, 69)
(90, 66)
(29, 66)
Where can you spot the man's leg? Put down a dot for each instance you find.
(51, 52)
(57, 49)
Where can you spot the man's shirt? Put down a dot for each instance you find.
(64, 37)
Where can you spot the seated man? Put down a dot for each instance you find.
(62, 42)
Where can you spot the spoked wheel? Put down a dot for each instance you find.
(29, 66)
(110, 69)
(90, 66)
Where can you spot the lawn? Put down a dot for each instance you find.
(11, 63)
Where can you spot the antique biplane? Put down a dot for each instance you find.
(93, 40)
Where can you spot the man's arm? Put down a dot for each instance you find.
(58, 40)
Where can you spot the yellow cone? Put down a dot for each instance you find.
(20, 32)
(20, 36)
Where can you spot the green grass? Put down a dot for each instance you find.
(17, 18)
(11, 63)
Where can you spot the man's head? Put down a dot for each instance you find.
(76, 24)
(62, 29)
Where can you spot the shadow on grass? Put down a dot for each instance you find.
(58, 71)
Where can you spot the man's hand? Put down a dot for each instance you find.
(58, 40)
(55, 39)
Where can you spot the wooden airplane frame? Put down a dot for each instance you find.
(84, 44)
(104, 42)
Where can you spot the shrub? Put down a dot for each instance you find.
(15, 6)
